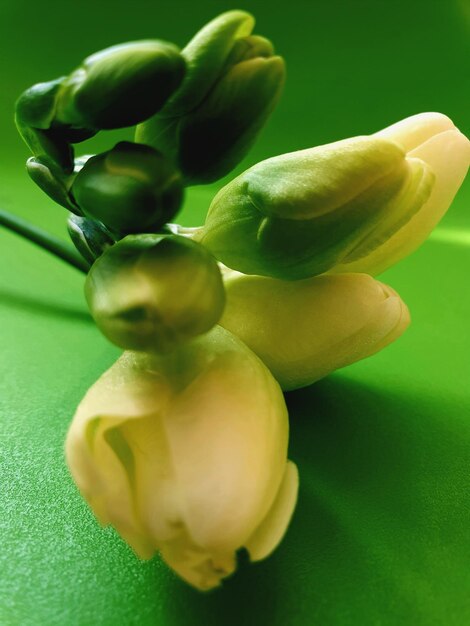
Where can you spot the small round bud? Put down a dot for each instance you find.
(131, 189)
(152, 292)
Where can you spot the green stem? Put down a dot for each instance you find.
(44, 240)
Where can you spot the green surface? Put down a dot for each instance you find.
(381, 534)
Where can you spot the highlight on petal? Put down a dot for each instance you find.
(303, 330)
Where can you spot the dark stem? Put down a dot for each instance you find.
(44, 240)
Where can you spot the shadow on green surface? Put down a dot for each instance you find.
(381, 528)
(31, 304)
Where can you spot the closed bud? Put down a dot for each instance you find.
(91, 238)
(186, 454)
(48, 139)
(121, 86)
(131, 189)
(312, 211)
(52, 181)
(152, 292)
(232, 84)
(304, 330)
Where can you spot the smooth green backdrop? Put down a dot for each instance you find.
(381, 534)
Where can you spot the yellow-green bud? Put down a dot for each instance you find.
(121, 86)
(300, 214)
(152, 292)
(131, 189)
(232, 84)
(356, 205)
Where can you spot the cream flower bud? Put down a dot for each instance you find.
(367, 199)
(187, 454)
(303, 330)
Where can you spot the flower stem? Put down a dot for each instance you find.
(43, 239)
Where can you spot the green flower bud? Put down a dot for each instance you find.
(121, 86)
(91, 238)
(152, 292)
(232, 84)
(50, 147)
(300, 214)
(52, 182)
(47, 138)
(131, 189)
(36, 106)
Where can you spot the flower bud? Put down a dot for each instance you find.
(307, 212)
(187, 454)
(303, 330)
(49, 140)
(297, 215)
(152, 292)
(131, 189)
(52, 181)
(232, 84)
(121, 86)
(90, 238)
(433, 139)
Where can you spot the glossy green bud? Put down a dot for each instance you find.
(91, 238)
(152, 292)
(300, 214)
(48, 139)
(121, 86)
(52, 181)
(131, 189)
(232, 84)
(36, 106)
(50, 147)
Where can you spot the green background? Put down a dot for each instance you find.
(381, 534)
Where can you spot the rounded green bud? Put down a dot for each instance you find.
(152, 292)
(131, 189)
(122, 85)
(300, 214)
(91, 238)
(36, 106)
(232, 84)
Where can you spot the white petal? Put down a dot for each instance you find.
(415, 130)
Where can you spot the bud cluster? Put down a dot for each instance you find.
(182, 444)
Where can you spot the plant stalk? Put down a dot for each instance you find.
(43, 239)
